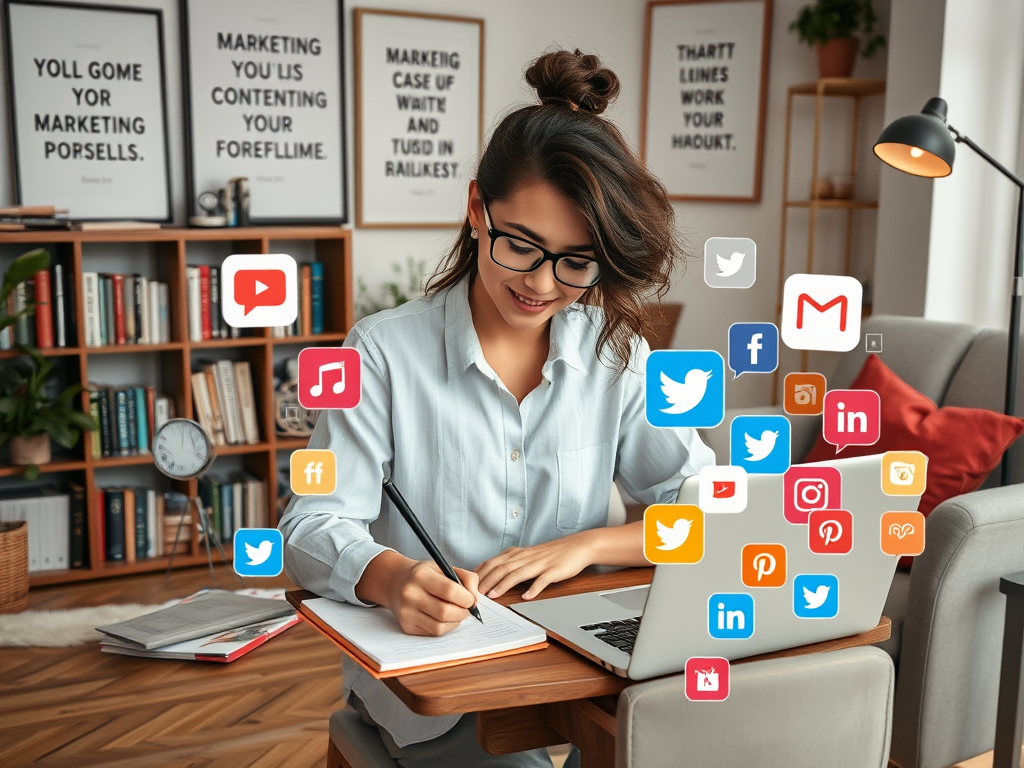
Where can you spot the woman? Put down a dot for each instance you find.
(505, 401)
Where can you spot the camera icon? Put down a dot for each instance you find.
(809, 494)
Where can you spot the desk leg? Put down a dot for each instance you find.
(588, 727)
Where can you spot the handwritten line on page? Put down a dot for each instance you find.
(376, 632)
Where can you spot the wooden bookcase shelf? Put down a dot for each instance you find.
(332, 246)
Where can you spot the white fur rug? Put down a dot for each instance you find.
(76, 626)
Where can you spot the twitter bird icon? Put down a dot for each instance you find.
(816, 596)
(730, 266)
(730, 262)
(685, 388)
(674, 537)
(760, 444)
(258, 552)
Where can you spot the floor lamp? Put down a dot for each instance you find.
(924, 145)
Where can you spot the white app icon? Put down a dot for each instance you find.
(259, 290)
(759, 448)
(707, 680)
(722, 489)
(816, 599)
(685, 396)
(901, 473)
(821, 312)
(258, 555)
(727, 267)
(676, 536)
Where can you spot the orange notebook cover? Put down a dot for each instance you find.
(297, 599)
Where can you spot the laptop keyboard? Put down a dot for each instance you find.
(618, 634)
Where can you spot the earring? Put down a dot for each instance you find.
(473, 233)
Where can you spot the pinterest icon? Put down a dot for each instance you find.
(830, 532)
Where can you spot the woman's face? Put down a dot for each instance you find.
(539, 213)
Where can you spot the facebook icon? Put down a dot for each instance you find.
(753, 348)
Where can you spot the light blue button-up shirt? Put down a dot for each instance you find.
(482, 471)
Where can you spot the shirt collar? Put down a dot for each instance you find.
(462, 345)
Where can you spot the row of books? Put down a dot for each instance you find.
(125, 309)
(233, 502)
(225, 402)
(54, 320)
(138, 523)
(56, 525)
(206, 319)
(15, 218)
(128, 418)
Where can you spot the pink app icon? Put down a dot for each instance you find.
(707, 678)
(329, 377)
(806, 489)
(851, 417)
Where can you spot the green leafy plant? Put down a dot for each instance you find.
(392, 294)
(26, 407)
(831, 19)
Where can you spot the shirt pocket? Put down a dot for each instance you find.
(584, 488)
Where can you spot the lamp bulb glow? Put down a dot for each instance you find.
(915, 152)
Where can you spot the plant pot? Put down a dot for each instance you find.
(837, 57)
(30, 450)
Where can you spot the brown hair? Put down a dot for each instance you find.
(564, 142)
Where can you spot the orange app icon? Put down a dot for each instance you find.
(904, 473)
(313, 472)
(764, 565)
(803, 394)
(903, 533)
(673, 533)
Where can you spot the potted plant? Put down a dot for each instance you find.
(29, 415)
(393, 294)
(830, 26)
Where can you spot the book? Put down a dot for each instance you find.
(140, 529)
(106, 433)
(47, 513)
(120, 327)
(306, 293)
(91, 307)
(114, 524)
(129, 524)
(210, 612)
(201, 402)
(317, 297)
(115, 226)
(247, 402)
(153, 305)
(195, 320)
(60, 310)
(373, 639)
(161, 412)
(216, 410)
(223, 647)
(204, 301)
(44, 317)
(21, 301)
(164, 314)
(79, 544)
(22, 211)
(131, 419)
(151, 528)
(229, 402)
(141, 420)
(151, 412)
(95, 444)
(215, 317)
(108, 308)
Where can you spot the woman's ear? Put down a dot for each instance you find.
(475, 207)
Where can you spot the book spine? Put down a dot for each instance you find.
(229, 401)
(306, 325)
(106, 433)
(317, 300)
(132, 419)
(120, 336)
(44, 318)
(79, 544)
(151, 412)
(141, 334)
(141, 524)
(204, 300)
(247, 402)
(153, 305)
(152, 539)
(95, 444)
(164, 312)
(70, 308)
(90, 295)
(201, 402)
(108, 298)
(216, 410)
(59, 309)
(121, 399)
(21, 335)
(131, 332)
(114, 524)
(161, 411)
(129, 525)
(195, 315)
(142, 422)
(215, 318)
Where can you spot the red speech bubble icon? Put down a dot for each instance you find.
(259, 288)
(851, 417)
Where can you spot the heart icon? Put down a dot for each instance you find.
(901, 531)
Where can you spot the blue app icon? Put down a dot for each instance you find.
(760, 444)
(816, 596)
(731, 615)
(259, 552)
(753, 348)
(685, 388)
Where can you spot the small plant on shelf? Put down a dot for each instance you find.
(392, 293)
(29, 415)
(832, 26)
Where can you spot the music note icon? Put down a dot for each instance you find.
(318, 389)
(329, 377)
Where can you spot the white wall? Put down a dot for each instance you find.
(516, 32)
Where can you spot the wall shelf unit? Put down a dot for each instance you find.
(170, 253)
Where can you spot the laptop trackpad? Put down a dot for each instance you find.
(631, 599)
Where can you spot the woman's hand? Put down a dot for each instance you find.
(544, 563)
(426, 602)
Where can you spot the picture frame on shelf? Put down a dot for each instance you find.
(704, 97)
(419, 116)
(265, 100)
(101, 69)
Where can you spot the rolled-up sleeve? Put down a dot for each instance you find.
(327, 538)
(652, 462)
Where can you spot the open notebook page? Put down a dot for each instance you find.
(376, 632)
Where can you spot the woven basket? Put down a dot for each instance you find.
(13, 567)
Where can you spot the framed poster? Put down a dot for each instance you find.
(705, 84)
(419, 116)
(88, 109)
(264, 98)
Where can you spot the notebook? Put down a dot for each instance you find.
(373, 638)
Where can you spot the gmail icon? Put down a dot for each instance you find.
(821, 312)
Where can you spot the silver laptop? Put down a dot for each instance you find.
(671, 616)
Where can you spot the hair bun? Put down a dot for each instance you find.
(576, 79)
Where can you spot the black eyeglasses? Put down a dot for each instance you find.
(521, 255)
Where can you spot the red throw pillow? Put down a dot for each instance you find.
(962, 444)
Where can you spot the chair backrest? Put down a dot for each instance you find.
(952, 632)
(819, 709)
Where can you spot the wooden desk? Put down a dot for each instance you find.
(554, 695)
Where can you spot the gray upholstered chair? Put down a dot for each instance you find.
(821, 709)
(354, 744)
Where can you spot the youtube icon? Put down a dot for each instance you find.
(722, 489)
(259, 290)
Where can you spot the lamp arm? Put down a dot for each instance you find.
(962, 139)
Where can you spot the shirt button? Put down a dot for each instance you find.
(514, 455)
(515, 513)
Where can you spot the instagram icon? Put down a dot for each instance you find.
(807, 489)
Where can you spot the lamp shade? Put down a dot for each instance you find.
(919, 144)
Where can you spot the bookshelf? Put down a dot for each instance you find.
(170, 250)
